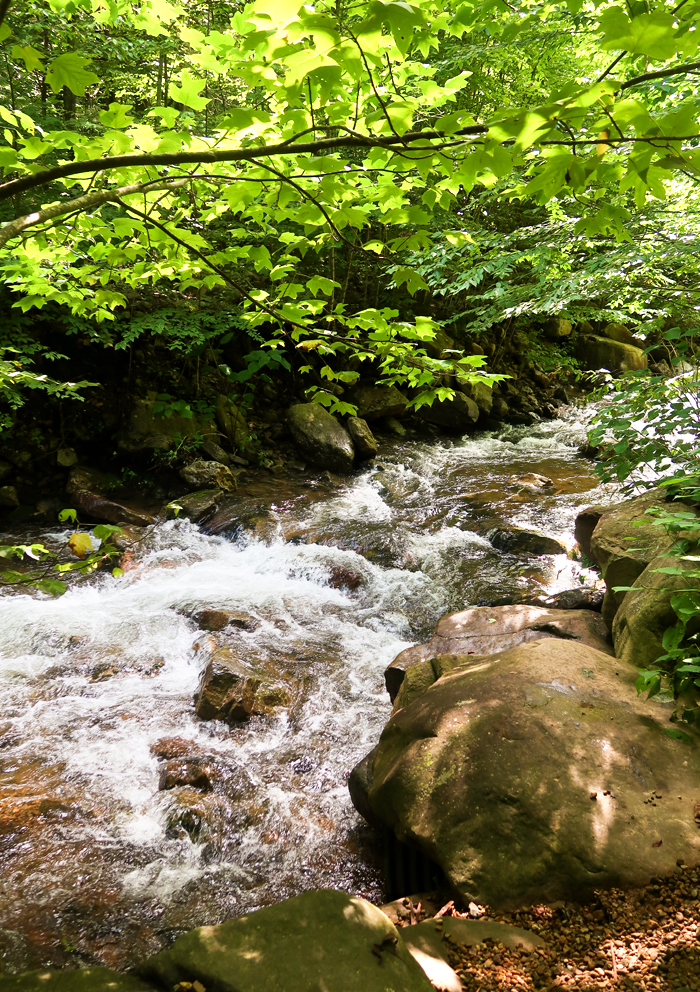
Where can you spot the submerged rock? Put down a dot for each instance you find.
(185, 772)
(535, 483)
(533, 775)
(219, 619)
(319, 941)
(320, 437)
(489, 629)
(362, 437)
(514, 540)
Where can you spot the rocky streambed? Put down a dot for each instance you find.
(125, 817)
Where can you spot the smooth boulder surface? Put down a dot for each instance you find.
(534, 775)
(362, 437)
(586, 522)
(490, 629)
(514, 540)
(373, 402)
(618, 332)
(603, 353)
(557, 328)
(481, 393)
(320, 437)
(194, 506)
(95, 979)
(319, 941)
(231, 422)
(147, 432)
(458, 414)
(645, 613)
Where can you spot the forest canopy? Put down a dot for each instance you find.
(349, 177)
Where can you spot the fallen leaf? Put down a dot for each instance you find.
(80, 544)
(657, 843)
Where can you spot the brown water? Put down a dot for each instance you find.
(98, 865)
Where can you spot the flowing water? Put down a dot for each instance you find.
(97, 864)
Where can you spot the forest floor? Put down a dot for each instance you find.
(644, 939)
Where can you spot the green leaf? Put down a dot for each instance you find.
(54, 587)
(65, 515)
(69, 70)
(648, 34)
(678, 735)
(188, 90)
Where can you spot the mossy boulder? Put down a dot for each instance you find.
(94, 979)
(528, 777)
(373, 402)
(595, 352)
(320, 438)
(319, 941)
(458, 414)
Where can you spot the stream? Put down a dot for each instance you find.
(99, 865)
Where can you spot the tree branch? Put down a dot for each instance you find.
(661, 74)
(78, 205)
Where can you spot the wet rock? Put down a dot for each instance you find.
(93, 979)
(490, 772)
(220, 619)
(514, 540)
(561, 394)
(175, 747)
(185, 772)
(226, 690)
(586, 522)
(146, 432)
(66, 457)
(232, 689)
(486, 630)
(373, 402)
(201, 474)
(345, 578)
(603, 353)
(318, 940)
(320, 437)
(92, 480)
(215, 452)
(535, 483)
(362, 438)
(231, 422)
(9, 497)
(557, 328)
(581, 598)
(6, 470)
(195, 506)
(645, 613)
(458, 414)
(625, 541)
(97, 508)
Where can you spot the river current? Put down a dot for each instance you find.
(97, 864)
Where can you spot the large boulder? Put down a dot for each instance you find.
(320, 437)
(490, 629)
(93, 979)
(557, 328)
(645, 612)
(534, 775)
(625, 540)
(362, 437)
(481, 393)
(618, 332)
(373, 402)
(595, 352)
(458, 414)
(319, 941)
(145, 431)
(94, 508)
